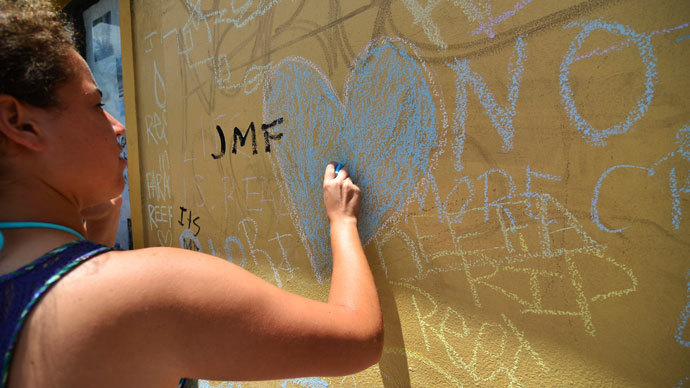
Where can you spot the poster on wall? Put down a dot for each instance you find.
(103, 54)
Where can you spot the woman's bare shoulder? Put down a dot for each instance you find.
(169, 313)
(119, 305)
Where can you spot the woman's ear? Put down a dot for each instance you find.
(19, 124)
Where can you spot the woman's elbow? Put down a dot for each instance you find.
(376, 345)
(369, 345)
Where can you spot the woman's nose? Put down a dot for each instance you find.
(118, 128)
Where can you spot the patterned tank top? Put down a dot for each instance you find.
(21, 289)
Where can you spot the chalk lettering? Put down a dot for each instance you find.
(228, 250)
(248, 193)
(158, 87)
(643, 42)
(158, 213)
(285, 264)
(498, 202)
(242, 17)
(253, 251)
(453, 329)
(501, 117)
(158, 185)
(676, 212)
(594, 210)
(155, 128)
(188, 240)
(528, 191)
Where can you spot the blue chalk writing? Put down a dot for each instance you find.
(643, 42)
(683, 150)
(188, 240)
(228, 250)
(387, 122)
(676, 212)
(461, 68)
(210, 246)
(682, 38)
(683, 142)
(501, 117)
(594, 210)
(684, 316)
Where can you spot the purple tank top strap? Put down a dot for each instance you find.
(20, 290)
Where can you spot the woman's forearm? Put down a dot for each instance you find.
(352, 283)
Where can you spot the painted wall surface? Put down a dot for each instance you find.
(525, 167)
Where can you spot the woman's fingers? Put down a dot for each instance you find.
(341, 195)
(330, 171)
(342, 174)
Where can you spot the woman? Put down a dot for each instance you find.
(86, 316)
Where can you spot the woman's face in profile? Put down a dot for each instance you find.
(82, 138)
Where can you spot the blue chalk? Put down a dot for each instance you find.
(337, 168)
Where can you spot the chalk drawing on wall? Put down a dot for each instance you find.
(508, 248)
(478, 12)
(501, 116)
(526, 235)
(388, 121)
(643, 43)
(675, 188)
(487, 26)
(487, 352)
(202, 23)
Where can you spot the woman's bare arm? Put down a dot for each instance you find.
(176, 313)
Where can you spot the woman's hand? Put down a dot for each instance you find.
(100, 221)
(189, 314)
(341, 197)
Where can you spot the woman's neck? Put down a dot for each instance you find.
(20, 201)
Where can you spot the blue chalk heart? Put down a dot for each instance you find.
(385, 132)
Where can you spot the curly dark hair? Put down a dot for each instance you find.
(34, 45)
